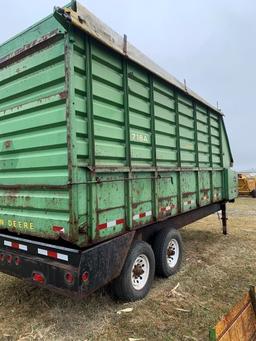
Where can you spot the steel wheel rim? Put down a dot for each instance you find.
(140, 272)
(172, 253)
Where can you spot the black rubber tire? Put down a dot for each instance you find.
(160, 246)
(121, 287)
(253, 193)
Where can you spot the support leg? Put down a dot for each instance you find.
(224, 218)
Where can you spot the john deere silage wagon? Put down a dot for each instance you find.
(103, 157)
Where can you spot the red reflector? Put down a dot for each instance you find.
(58, 229)
(119, 221)
(17, 261)
(69, 277)
(38, 278)
(102, 226)
(52, 254)
(9, 259)
(85, 276)
(15, 245)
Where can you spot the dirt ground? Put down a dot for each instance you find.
(216, 271)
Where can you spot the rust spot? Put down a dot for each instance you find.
(39, 186)
(63, 94)
(205, 190)
(83, 228)
(11, 198)
(27, 48)
(11, 195)
(7, 144)
(186, 194)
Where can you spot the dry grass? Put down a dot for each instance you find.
(217, 270)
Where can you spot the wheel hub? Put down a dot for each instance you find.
(137, 270)
(172, 253)
(140, 272)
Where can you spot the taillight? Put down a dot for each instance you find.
(1, 257)
(38, 278)
(9, 259)
(69, 277)
(85, 276)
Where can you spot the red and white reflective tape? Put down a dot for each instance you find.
(110, 224)
(58, 229)
(167, 208)
(15, 245)
(189, 202)
(142, 215)
(53, 254)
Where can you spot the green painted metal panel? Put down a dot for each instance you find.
(107, 95)
(204, 188)
(168, 194)
(33, 137)
(188, 191)
(30, 35)
(94, 143)
(231, 179)
(217, 179)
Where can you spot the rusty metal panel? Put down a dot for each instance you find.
(34, 198)
(168, 194)
(32, 37)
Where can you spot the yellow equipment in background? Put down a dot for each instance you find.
(247, 185)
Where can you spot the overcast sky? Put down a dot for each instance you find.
(209, 43)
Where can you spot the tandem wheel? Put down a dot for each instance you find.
(168, 250)
(137, 274)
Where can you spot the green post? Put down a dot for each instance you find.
(196, 156)
(128, 185)
(153, 142)
(223, 187)
(210, 153)
(92, 197)
(71, 135)
(179, 194)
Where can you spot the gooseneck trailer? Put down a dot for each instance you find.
(103, 157)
